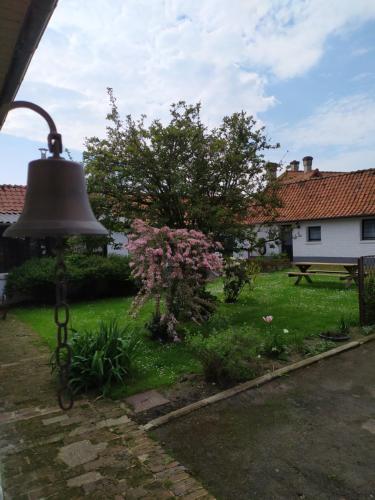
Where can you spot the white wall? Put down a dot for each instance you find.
(340, 239)
(120, 239)
(272, 248)
(3, 280)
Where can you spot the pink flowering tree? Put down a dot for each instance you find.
(173, 267)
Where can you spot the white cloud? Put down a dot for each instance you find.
(344, 122)
(155, 52)
(339, 135)
(349, 160)
(360, 51)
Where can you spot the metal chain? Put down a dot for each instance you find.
(63, 349)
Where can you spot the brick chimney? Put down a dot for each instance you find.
(294, 166)
(307, 163)
(272, 170)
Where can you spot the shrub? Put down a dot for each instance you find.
(88, 277)
(226, 356)
(173, 266)
(159, 328)
(103, 357)
(237, 274)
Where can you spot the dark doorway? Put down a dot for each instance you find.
(15, 251)
(287, 241)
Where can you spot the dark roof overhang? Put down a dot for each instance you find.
(22, 24)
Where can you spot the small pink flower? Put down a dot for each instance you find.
(267, 319)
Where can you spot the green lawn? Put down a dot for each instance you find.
(305, 310)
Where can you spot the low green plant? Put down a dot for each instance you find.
(274, 344)
(296, 341)
(368, 330)
(318, 347)
(226, 356)
(103, 356)
(344, 325)
(275, 341)
(279, 342)
(237, 274)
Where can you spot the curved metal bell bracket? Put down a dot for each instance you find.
(54, 138)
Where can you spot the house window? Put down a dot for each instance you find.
(314, 233)
(368, 229)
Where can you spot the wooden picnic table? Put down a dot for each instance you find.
(348, 274)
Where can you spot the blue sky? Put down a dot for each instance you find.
(304, 68)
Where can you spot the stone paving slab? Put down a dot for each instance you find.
(93, 451)
(146, 400)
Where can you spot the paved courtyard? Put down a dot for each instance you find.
(309, 435)
(93, 451)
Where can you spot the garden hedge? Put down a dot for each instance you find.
(88, 277)
(274, 263)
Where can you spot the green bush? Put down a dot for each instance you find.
(276, 262)
(88, 277)
(103, 357)
(226, 356)
(237, 274)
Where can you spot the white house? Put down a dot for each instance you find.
(119, 247)
(325, 216)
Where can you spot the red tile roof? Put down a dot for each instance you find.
(11, 198)
(300, 175)
(349, 194)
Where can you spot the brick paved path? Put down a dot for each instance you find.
(93, 451)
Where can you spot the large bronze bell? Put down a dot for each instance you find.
(56, 205)
(56, 202)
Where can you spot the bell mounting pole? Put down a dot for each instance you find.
(54, 138)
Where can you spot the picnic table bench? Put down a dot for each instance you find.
(349, 274)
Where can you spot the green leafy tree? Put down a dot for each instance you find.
(181, 174)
